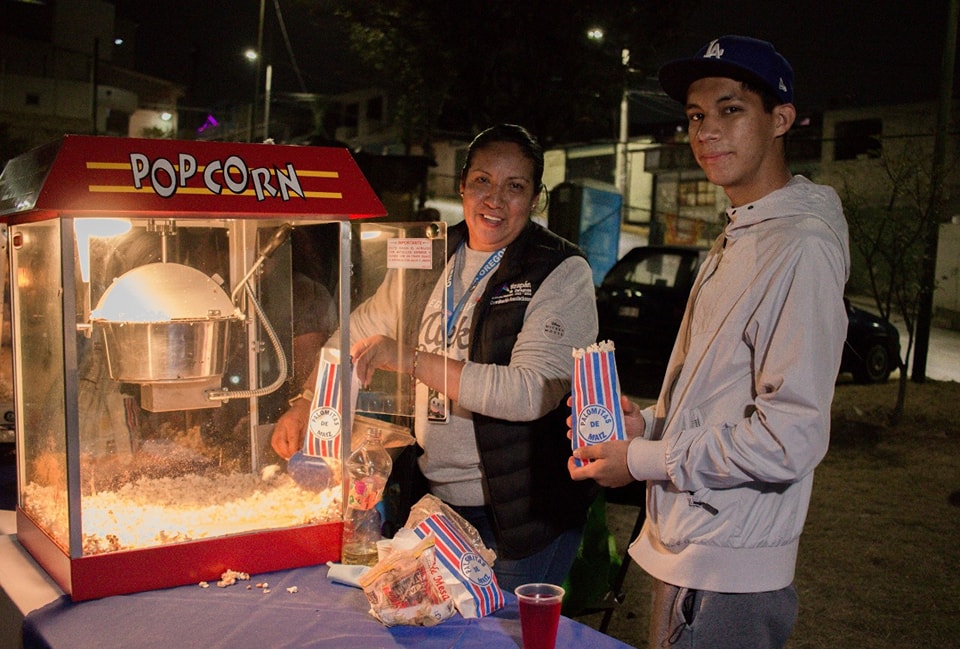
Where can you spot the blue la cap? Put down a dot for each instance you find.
(735, 57)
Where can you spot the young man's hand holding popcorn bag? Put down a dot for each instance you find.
(597, 413)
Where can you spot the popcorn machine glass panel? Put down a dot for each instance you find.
(172, 432)
(40, 370)
(402, 260)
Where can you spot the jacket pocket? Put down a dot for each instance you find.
(751, 515)
(704, 516)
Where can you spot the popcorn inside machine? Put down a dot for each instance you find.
(154, 298)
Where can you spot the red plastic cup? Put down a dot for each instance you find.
(539, 614)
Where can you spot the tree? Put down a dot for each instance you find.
(888, 213)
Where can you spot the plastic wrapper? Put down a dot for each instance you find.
(407, 588)
(597, 411)
(393, 436)
(465, 562)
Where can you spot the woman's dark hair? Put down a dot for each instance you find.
(520, 136)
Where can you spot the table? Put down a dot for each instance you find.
(320, 614)
(24, 586)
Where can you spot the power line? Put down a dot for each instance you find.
(286, 40)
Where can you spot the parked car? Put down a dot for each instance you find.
(641, 300)
(872, 349)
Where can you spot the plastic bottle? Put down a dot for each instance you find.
(367, 469)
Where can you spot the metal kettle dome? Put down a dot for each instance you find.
(163, 292)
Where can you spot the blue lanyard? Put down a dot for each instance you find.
(489, 265)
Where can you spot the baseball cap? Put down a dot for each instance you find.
(735, 57)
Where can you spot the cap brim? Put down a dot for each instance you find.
(676, 76)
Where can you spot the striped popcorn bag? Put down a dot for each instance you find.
(464, 560)
(325, 426)
(322, 438)
(597, 413)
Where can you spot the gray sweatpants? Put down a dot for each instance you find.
(682, 618)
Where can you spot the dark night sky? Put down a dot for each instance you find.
(200, 45)
(868, 52)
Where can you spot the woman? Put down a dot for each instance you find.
(491, 404)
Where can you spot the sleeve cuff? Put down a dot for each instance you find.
(648, 420)
(647, 459)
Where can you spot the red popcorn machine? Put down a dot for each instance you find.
(155, 290)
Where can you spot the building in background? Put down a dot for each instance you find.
(67, 68)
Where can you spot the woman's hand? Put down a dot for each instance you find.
(288, 432)
(373, 353)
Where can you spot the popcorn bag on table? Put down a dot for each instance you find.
(466, 563)
(406, 588)
(597, 413)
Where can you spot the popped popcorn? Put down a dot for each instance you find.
(230, 577)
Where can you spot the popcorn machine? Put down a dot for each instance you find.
(153, 303)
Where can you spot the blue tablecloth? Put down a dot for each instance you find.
(320, 614)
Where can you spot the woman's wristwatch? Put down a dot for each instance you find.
(307, 395)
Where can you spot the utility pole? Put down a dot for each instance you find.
(256, 81)
(94, 83)
(934, 217)
(623, 159)
(624, 125)
(268, 85)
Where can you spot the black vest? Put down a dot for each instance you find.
(532, 497)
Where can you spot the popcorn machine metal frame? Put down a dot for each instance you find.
(235, 202)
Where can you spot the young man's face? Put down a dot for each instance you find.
(735, 141)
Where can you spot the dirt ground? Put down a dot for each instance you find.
(860, 425)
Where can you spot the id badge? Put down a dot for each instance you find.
(438, 407)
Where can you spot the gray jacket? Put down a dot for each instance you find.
(744, 414)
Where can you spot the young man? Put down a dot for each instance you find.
(743, 417)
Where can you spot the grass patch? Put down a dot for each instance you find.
(879, 557)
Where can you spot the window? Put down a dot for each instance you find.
(351, 115)
(333, 117)
(597, 167)
(375, 109)
(696, 192)
(857, 139)
(656, 269)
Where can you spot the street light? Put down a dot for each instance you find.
(252, 56)
(597, 35)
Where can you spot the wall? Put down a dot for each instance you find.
(946, 297)
(887, 170)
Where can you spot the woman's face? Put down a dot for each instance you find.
(498, 195)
